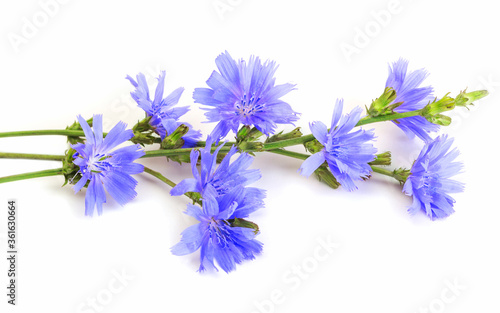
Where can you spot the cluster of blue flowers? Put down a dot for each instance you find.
(244, 94)
(226, 202)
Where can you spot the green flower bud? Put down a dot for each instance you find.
(324, 175)
(382, 159)
(401, 174)
(439, 119)
(313, 146)
(383, 105)
(143, 126)
(248, 134)
(174, 140)
(465, 99)
(239, 222)
(280, 136)
(144, 138)
(70, 170)
(250, 146)
(76, 126)
(435, 107)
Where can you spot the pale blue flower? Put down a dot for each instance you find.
(164, 114)
(346, 152)
(412, 97)
(103, 169)
(429, 182)
(244, 93)
(214, 234)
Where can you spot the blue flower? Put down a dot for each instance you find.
(215, 235)
(413, 97)
(164, 116)
(244, 93)
(346, 153)
(105, 169)
(220, 180)
(429, 182)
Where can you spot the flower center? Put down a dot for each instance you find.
(248, 106)
(218, 232)
(97, 164)
(429, 184)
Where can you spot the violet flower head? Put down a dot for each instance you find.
(217, 235)
(164, 114)
(220, 180)
(408, 90)
(429, 182)
(244, 93)
(346, 152)
(106, 170)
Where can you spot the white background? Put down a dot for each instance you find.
(74, 61)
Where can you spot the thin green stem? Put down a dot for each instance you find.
(159, 176)
(302, 156)
(363, 121)
(183, 151)
(195, 197)
(180, 151)
(45, 173)
(296, 155)
(31, 156)
(400, 174)
(383, 171)
(57, 132)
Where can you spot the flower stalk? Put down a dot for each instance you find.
(44, 173)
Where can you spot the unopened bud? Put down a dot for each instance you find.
(435, 107)
(239, 222)
(248, 134)
(280, 136)
(465, 99)
(439, 119)
(174, 140)
(249, 146)
(402, 174)
(383, 105)
(382, 159)
(324, 175)
(313, 146)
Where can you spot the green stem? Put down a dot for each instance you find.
(58, 132)
(267, 146)
(383, 171)
(195, 197)
(363, 121)
(31, 156)
(296, 155)
(159, 176)
(396, 174)
(45, 173)
(376, 169)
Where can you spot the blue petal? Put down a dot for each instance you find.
(319, 131)
(90, 198)
(79, 185)
(173, 98)
(190, 242)
(116, 136)
(312, 163)
(120, 186)
(100, 195)
(97, 125)
(186, 185)
(159, 88)
(210, 206)
(89, 134)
